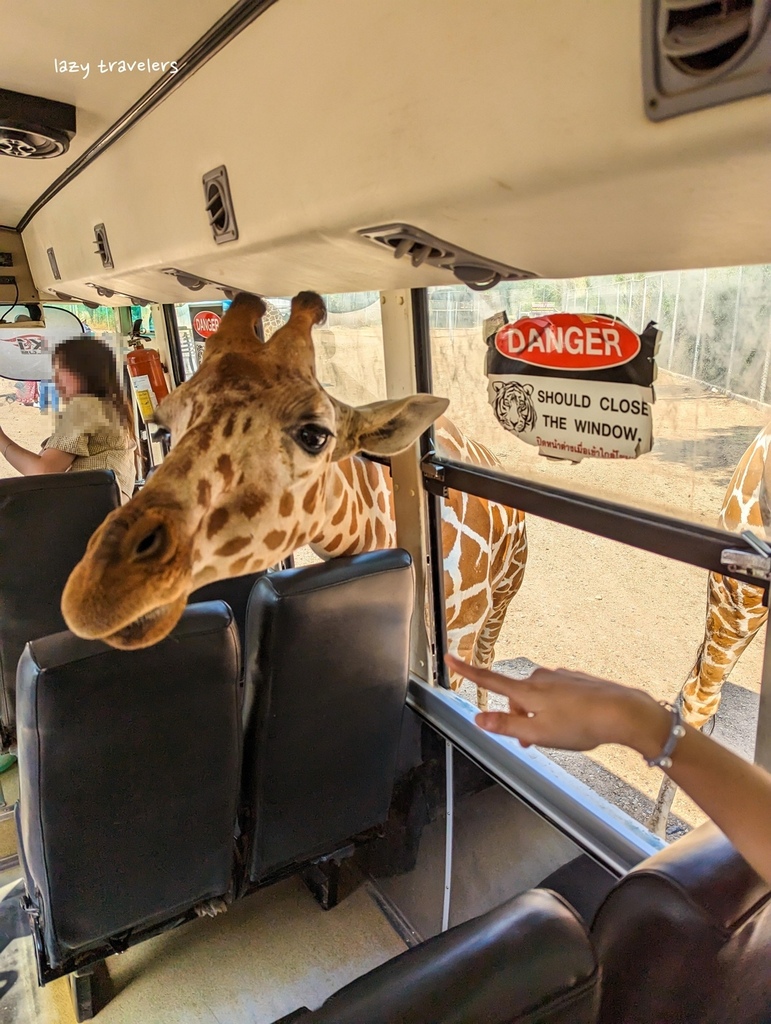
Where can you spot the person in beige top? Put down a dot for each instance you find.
(95, 430)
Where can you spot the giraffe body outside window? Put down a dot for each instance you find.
(735, 610)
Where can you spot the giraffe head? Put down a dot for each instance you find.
(253, 436)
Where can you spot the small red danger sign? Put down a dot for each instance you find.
(206, 323)
(568, 341)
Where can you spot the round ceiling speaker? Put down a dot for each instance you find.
(31, 142)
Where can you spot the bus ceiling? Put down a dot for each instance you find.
(280, 144)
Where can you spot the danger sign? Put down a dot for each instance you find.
(568, 341)
(575, 385)
(206, 323)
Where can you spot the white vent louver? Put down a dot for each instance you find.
(700, 54)
(477, 272)
(219, 205)
(102, 246)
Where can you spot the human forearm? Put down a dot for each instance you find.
(30, 463)
(730, 790)
(26, 462)
(574, 711)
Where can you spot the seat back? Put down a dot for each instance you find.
(45, 524)
(129, 769)
(686, 937)
(326, 667)
(235, 592)
(528, 961)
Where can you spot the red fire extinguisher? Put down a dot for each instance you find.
(144, 366)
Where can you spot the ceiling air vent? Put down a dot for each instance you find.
(194, 283)
(54, 265)
(103, 246)
(33, 128)
(219, 205)
(699, 54)
(477, 272)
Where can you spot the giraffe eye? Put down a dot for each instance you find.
(312, 438)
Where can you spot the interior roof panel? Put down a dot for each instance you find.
(514, 128)
(38, 33)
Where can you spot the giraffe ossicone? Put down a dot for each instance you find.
(254, 435)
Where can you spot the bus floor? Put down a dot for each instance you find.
(270, 953)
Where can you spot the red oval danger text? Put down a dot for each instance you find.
(206, 323)
(568, 341)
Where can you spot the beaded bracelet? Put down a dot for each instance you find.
(677, 731)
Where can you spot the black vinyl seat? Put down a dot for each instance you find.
(129, 773)
(528, 961)
(235, 593)
(327, 660)
(45, 524)
(685, 937)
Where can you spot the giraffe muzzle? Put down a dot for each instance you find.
(131, 587)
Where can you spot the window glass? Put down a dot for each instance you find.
(711, 390)
(594, 605)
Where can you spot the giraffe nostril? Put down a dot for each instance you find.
(151, 543)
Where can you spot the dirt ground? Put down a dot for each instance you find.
(26, 425)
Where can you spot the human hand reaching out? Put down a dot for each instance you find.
(570, 710)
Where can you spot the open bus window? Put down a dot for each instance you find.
(711, 392)
(591, 604)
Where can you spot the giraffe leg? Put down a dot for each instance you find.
(484, 648)
(735, 613)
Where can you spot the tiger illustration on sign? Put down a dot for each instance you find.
(513, 405)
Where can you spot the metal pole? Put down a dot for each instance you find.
(729, 371)
(697, 346)
(409, 506)
(424, 381)
(674, 320)
(448, 833)
(764, 375)
(763, 734)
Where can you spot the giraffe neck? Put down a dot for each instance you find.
(359, 508)
(359, 512)
(746, 504)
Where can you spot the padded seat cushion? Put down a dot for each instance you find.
(686, 937)
(326, 678)
(45, 524)
(235, 592)
(528, 961)
(129, 767)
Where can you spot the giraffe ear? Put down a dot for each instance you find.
(384, 428)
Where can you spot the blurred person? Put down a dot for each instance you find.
(95, 430)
